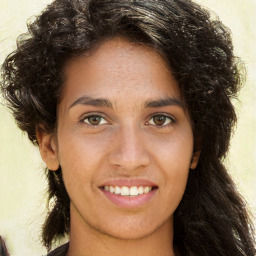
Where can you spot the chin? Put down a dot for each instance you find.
(132, 229)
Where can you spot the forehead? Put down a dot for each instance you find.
(119, 66)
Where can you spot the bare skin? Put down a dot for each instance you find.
(121, 122)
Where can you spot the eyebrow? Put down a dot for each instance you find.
(85, 100)
(101, 102)
(163, 103)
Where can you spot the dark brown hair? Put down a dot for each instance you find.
(211, 218)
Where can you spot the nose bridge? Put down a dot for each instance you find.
(130, 152)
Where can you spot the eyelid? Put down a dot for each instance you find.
(167, 115)
(106, 118)
(91, 114)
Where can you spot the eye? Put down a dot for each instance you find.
(94, 120)
(161, 120)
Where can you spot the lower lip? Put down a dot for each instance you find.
(129, 201)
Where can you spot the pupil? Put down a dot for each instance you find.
(94, 120)
(159, 120)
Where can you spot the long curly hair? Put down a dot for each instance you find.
(212, 218)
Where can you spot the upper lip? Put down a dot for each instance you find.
(129, 182)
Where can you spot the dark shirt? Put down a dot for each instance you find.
(3, 250)
(60, 251)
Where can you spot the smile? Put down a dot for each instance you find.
(128, 191)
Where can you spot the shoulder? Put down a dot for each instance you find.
(60, 251)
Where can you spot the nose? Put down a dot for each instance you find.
(129, 150)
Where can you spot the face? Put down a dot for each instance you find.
(124, 141)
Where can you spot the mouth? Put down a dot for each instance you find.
(125, 191)
(129, 194)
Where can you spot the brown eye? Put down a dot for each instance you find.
(95, 120)
(160, 120)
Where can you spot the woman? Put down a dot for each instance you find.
(130, 104)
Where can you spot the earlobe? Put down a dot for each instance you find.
(48, 148)
(194, 160)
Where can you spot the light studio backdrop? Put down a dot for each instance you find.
(22, 181)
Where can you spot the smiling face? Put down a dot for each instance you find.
(124, 142)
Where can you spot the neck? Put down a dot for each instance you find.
(85, 240)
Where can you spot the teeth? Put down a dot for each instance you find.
(134, 191)
(126, 191)
(140, 190)
(117, 190)
(146, 190)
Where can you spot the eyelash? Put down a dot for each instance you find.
(166, 117)
(93, 116)
(171, 120)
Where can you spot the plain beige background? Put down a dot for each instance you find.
(22, 181)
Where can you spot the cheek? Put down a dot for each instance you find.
(76, 147)
(173, 158)
(80, 156)
(175, 151)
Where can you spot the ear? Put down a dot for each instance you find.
(48, 148)
(194, 160)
